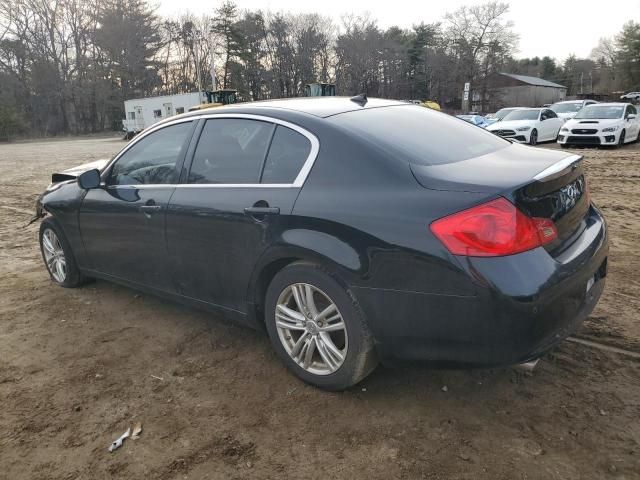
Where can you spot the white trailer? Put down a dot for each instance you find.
(141, 113)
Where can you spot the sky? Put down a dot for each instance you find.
(557, 28)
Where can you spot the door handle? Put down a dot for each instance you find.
(262, 211)
(150, 208)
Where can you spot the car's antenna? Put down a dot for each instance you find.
(360, 99)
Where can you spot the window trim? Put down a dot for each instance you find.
(297, 183)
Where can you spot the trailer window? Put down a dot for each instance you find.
(132, 115)
(179, 110)
(157, 114)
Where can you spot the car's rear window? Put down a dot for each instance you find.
(420, 135)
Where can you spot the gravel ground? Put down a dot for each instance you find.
(78, 367)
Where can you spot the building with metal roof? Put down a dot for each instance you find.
(511, 90)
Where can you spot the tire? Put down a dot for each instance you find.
(621, 139)
(351, 338)
(53, 243)
(533, 138)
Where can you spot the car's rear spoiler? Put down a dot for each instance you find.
(558, 168)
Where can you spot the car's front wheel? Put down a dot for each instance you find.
(621, 140)
(57, 255)
(533, 138)
(317, 328)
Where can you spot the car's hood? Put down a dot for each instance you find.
(511, 124)
(592, 122)
(74, 172)
(504, 169)
(567, 115)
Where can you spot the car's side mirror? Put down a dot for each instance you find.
(631, 116)
(89, 179)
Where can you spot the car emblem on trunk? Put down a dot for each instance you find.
(570, 194)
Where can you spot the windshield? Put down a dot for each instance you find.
(522, 115)
(566, 107)
(419, 135)
(600, 111)
(500, 114)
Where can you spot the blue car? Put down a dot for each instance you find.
(477, 120)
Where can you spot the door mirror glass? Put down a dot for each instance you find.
(89, 179)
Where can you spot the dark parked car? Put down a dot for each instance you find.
(353, 231)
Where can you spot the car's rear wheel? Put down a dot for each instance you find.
(317, 328)
(533, 138)
(57, 255)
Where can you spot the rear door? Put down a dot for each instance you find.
(234, 201)
(551, 124)
(123, 222)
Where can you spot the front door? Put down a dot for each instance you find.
(237, 198)
(123, 222)
(632, 124)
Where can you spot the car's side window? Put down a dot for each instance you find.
(231, 150)
(543, 115)
(152, 160)
(551, 114)
(631, 110)
(287, 154)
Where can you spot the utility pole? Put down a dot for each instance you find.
(581, 78)
(212, 69)
(465, 97)
(195, 54)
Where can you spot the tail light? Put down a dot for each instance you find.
(493, 229)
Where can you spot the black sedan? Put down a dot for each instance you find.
(352, 230)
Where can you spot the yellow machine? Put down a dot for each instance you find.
(431, 104)
(217, 98)
(320, 90)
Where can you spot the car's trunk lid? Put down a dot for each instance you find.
(542, 183)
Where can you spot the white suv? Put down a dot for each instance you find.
(631, 96)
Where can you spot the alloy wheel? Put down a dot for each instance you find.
(54, 255)
(311, 329)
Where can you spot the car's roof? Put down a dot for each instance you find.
(571, 101)
(318, 106)
(610, 104)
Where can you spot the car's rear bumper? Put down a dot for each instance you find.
(524, 305)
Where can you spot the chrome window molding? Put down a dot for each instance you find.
(297, 183)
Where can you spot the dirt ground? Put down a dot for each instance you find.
(78, 367)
